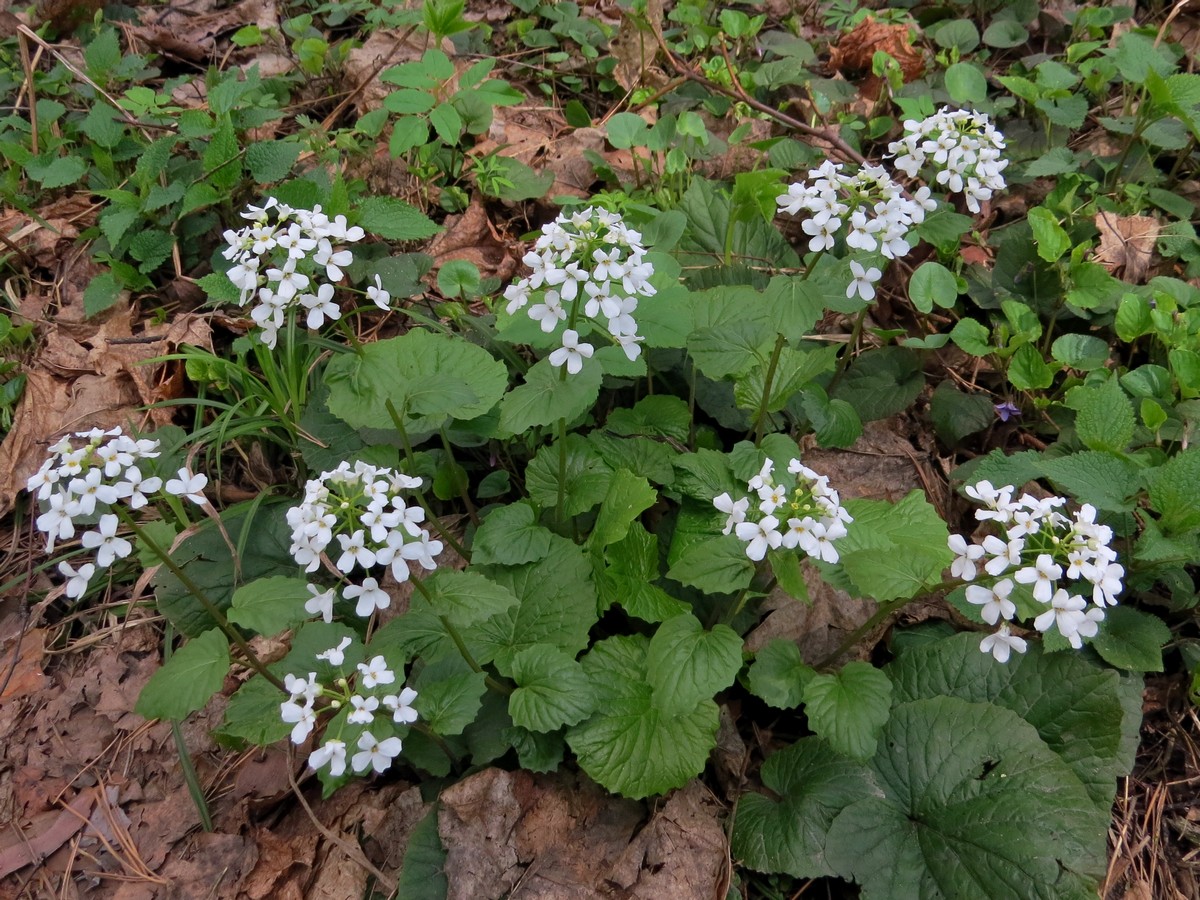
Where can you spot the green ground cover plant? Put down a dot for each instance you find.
(530, 521)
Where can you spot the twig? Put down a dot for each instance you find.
(353, 853)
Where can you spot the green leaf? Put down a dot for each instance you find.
(1106, 481)
(880, 383)
(686, 664)
(1075, 704)
(793, 304)
(894, 550)
(716, 566)
(966, 84)
(407, 132)
(101, 126)
(447, 698)
(932, 284)
(956, 414)
(101, 293)
(52, 171)
(630, 746)
(558, 606)
(395, 220)
(1175, 492)
(658, 415)
(546, 397)
(260, 532)
(430, 378)
(1005, 34)
(188, 679)
(1104, 420)
(971, 337)
(1080, 351)
(794, 370)
(1057, 161)
(271, 161)
(813, 784)
(587, 476)
(221, 158)
(423, 872)
(463, 598)
(1131, 639)
(510, 536)
(270, 605)
(151, 246)
(731, 348)
(552, 690)
(627, 498)
(704, 475)
(1050, 238)
(849, 708)
(458, 278)
(835, 422)
(1027, 371)
(446, 122)
(972, 804)
(779, 675)
(253, 714)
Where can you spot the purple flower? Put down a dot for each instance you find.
(1007, 410)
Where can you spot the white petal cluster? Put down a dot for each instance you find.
(799, 511)
(358, 516)
(964, 149)
(85, 477)
(290, 259)
(1058, 558)
(358, 692)
(586, 266)
(867, 208)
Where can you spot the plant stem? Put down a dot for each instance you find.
(411, 460)
(211, 608)
(885, 610)
(462, 492)
(562, 468)
(761, 418)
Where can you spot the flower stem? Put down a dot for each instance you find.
(761, 418)
(211, 608)
(411, 460)
(885, 610)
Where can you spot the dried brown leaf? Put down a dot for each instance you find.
(1126, 245)
(853, 54)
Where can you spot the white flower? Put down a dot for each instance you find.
(375, 754)
(1066, 611)
(105, 542)
(1107, 585)
(332, 752)
(303, 719)
(736, 511)
(572, 353)
(377, 295)
(548, 313)
(77, 579)
(965, 555)
(135, 487)
(320, 603)
(1002, 643)
(994, 600)
(185, 484)
(364, 710)
(370, 597)
(335, 656)
(1043, 575)
(376, 672)
(759, 536)
(1003, 554)
(401, 706)
(863, 282)
(354, 551)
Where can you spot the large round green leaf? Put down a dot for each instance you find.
(974, 804)
(428, 377)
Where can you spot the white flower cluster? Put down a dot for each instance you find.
(291, 259)
(85, 476)
(363, 699)
(1053, 555)
(585, 262)
(810, 510)
(360, 507)
(964, 147)
(868, 204)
